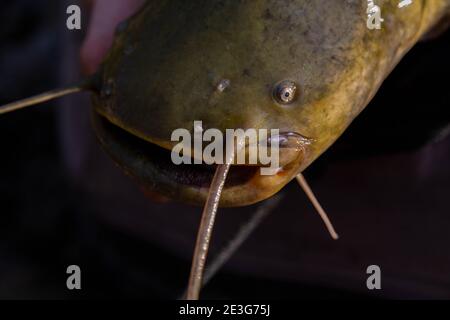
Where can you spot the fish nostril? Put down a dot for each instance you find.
(285, 92)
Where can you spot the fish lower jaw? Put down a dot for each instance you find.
(153, 168)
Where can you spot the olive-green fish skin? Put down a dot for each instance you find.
(166, 62)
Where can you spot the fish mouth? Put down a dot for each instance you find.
(151, 165)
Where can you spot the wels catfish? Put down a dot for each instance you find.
(307, 68)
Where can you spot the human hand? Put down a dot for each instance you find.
(105, 16)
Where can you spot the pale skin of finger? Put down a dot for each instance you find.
(105, 16)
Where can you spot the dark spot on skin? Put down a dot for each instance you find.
(293, 51)
(268, 15)
(211, 76)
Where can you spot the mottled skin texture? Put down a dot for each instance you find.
(162, 72)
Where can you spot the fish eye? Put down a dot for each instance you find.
(285, 92)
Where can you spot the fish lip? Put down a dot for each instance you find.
(242, 188)
(130, 152)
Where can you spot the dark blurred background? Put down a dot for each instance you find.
(385, 184)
